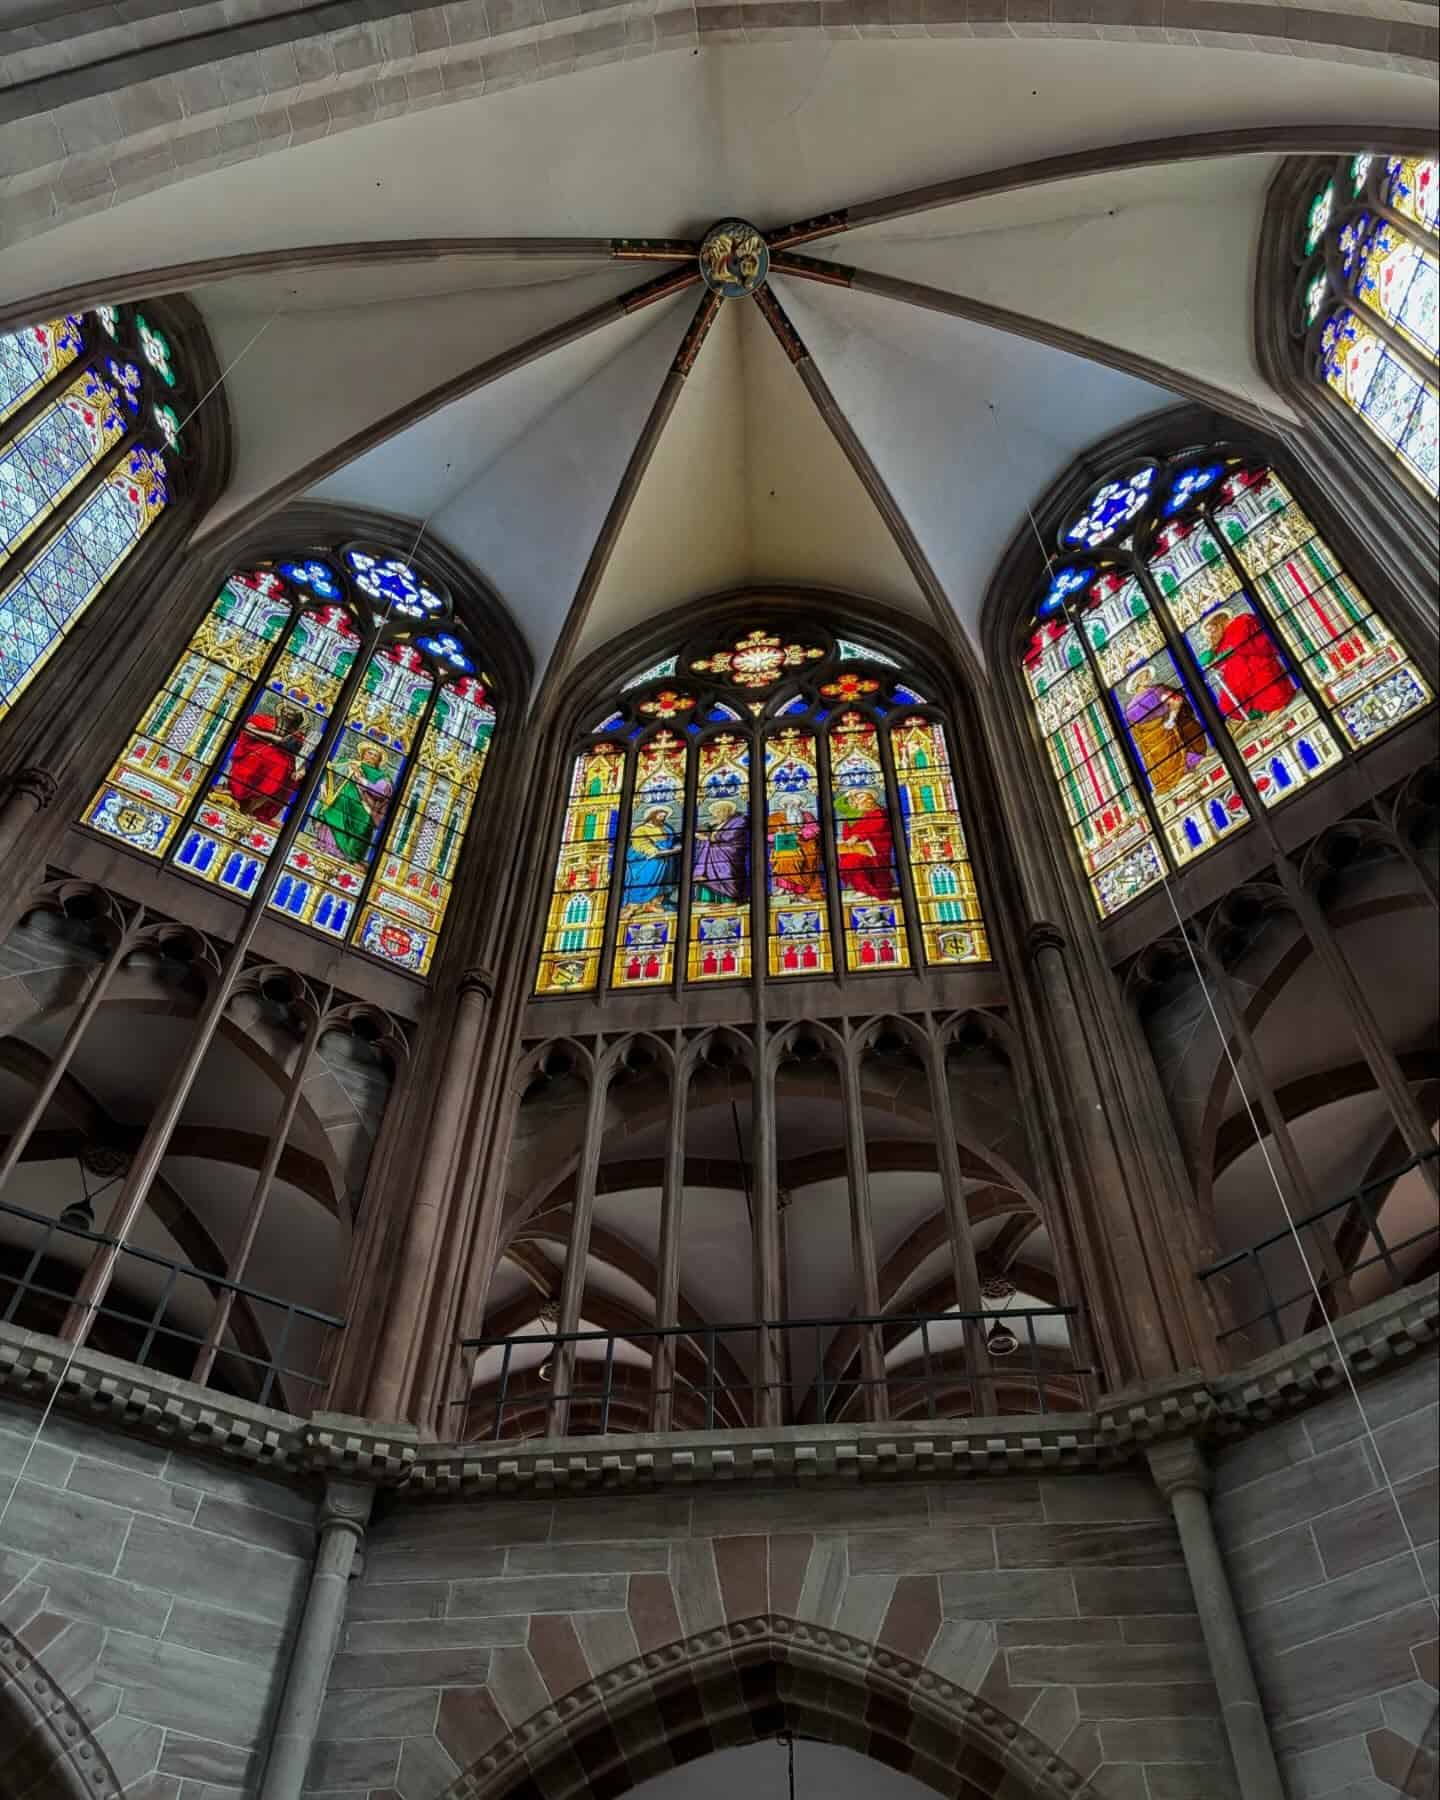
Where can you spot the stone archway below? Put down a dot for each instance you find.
(756, 1679)
(49, 1750)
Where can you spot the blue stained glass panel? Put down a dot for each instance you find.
(41, 606)
(29, 357)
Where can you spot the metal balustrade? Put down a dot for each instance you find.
(1336, 1254)
(250, 1360)
(705, 1377)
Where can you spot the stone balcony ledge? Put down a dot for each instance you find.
(1381, 1336)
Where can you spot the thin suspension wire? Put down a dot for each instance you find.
(1029, 510)
(234, 360)
(1289, 1217)
(1300, 1250)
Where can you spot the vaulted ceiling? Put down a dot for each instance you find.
(422, 315)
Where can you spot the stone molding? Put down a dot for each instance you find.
(1381, 1336)
(58, 1757)
(38, 785)
(839, 1661)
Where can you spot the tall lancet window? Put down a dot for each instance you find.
(92, 412)
(777, 801)
(1367, 299)
(208, 777)
(1196, 650)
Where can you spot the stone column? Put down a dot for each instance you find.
(414, 1339)
(1183, 1477)
(863, 1260)
(27, 794)
(1121, 1254)
(344, 1513)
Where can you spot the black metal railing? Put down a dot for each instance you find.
(708, 1377)
(1337, 1253)
(37, 1287)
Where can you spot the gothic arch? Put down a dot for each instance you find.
(755, 1679)
(49, 1748)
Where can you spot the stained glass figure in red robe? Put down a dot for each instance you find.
(1244, 668)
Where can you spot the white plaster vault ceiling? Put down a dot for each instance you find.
(965, 422)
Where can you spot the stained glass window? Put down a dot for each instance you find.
(209, 776)
(1368, 301)
(795, 860)
(870, 904)
(813, 812)
(1352, 663)
(720, 863)
(31, 357)
(1221, 588)
(650, 883)
(945, 894)
(575, 928)
(83, 475)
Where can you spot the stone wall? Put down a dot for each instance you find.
(1062, 1602)
(159, 1591)
(1332, 1599)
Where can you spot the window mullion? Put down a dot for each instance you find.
(759, 877)
(834, 905)
(899, 837)
(690, 806)
(604, 983)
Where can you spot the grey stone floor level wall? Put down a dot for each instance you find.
(1336, 1593)
(1063, 1603)
(159, 1591)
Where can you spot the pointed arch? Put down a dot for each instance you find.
(49, 1749)
(754, 1679)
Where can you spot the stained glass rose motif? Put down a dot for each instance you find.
(757, 660)
(314, 575)
(169, 425)
(394, 584)
(447, 649)
(1111, 508)
(155, 347)
(849, 687)
(1065, 583)
(667, 704)
(1191, 482)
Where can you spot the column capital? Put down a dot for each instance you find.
(346, 1506)
(1043, 934)
(1179, 1467)
(478, 982)
(38, 785)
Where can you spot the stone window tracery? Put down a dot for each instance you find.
(207, 777)
(775, 748)
(1366, 301)
(1206, 656)
(92, 440)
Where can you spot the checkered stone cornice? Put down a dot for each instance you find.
(1377, 1338)
(756, 1678)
